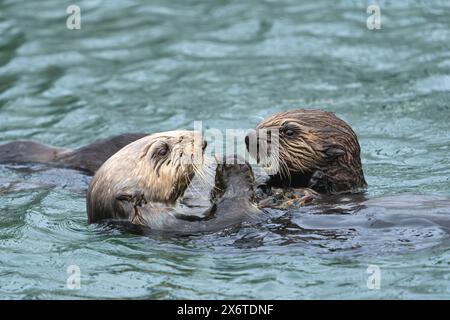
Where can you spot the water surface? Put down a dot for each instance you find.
(159, 65)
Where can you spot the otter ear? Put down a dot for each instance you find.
(334, 151)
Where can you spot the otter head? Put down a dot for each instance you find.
(155, 169)
(311, 148)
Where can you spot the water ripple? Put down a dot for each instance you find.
(159, 66)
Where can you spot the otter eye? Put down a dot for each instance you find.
(163, 150)
(289, 132)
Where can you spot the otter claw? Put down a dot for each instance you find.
(297, 202)
(284, 199)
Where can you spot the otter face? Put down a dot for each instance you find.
(309, 141)
(283, 144)
(168, 162)
(156, 168)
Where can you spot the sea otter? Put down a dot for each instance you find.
(192, 197)
(145, 184)
(318, 154)
(316, 150)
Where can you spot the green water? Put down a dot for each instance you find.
(160, 65)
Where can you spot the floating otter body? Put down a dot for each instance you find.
(137, 184)
(146, 181)
(318, 153)
(316, 150)
(87, 159)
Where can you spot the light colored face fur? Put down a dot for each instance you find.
(162, 164)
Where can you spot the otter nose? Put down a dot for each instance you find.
(204, 145)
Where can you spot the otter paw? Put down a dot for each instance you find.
(288, 198)
(298, 200)
(319, 182)
(136, 198)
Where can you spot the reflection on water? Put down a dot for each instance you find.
(159, 66)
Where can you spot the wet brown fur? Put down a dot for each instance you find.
(87, 159)
(323, 153)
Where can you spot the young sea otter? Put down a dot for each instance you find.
(316, 150)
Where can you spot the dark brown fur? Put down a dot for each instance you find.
(316, 150)
(87, 159)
